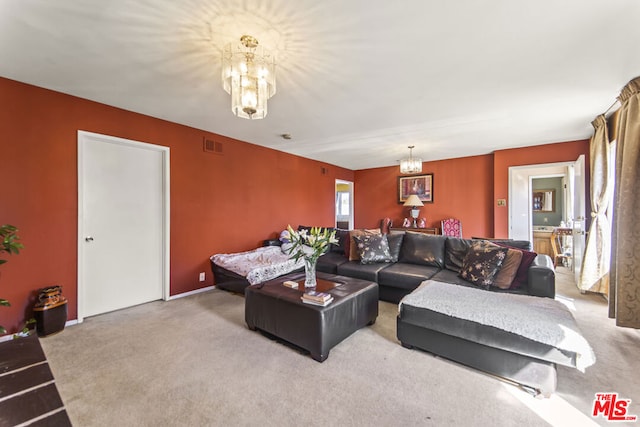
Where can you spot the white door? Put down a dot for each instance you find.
(519, 204)
(578, 231)
(123, 200)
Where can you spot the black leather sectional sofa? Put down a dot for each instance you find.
(422, 256)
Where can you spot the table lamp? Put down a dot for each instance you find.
(414, 201)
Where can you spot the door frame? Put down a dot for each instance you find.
(351, 213)
(527, 172)
(164, 151)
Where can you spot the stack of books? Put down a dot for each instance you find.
(316, 298)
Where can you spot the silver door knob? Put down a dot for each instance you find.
(88, 239)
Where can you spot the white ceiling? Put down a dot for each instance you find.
(357, 81)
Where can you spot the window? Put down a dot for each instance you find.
(342, 203)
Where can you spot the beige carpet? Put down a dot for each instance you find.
(193, 362)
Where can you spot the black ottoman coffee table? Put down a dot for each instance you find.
(277, 310)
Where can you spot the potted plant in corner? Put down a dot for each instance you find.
(9, 244)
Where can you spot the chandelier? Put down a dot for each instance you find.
(412, 164)
(249, 76)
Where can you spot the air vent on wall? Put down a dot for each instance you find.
(323, 170)
(211, 146)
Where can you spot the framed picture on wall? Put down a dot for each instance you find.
(420, 185)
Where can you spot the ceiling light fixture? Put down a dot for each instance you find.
(249, 76)
(412, 164)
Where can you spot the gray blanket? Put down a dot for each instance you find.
(540, 319)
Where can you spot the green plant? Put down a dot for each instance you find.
(26, 330)
(310, 244)
(10, 245)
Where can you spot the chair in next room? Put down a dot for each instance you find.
(451, 227)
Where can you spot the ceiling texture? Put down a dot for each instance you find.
(357, 81)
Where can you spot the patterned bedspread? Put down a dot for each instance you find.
(258, 265)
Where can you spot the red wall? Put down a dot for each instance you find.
(219, 203)
(540, 154)
(466, 188)
(462, 188)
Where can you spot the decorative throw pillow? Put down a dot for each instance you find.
(482, 263)
(285, 237)
(353, 250)
(507, 273)
(372, 248)
(522, 275)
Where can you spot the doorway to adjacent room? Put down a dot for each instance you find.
(522, 208)
(344, 204)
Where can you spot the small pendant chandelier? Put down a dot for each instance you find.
(412, 164)
(249, 76)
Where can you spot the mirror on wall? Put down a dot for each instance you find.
(548, 201)
(544, 200)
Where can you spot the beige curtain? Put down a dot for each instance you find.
(624, 293)
(594, 275)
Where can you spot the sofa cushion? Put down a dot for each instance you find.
(361, 271)
(329, 262)
(373, 248)
(522, 275)
(449, 276)
(423, 249)
(353, 249)
(482, 263)
(507, 272)
(455, 251)
(405, 276)
(395, 245)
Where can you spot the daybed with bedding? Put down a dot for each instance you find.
(234, 272)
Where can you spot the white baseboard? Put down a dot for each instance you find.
(9, 337)
(186, 294)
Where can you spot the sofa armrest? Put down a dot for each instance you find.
(542, 277)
